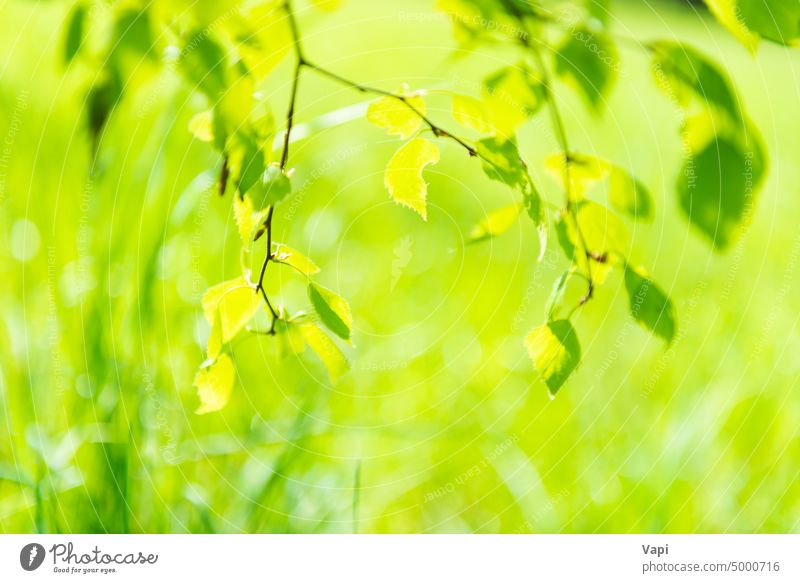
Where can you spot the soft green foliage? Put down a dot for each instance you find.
(151, 155)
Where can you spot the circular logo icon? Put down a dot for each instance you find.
(31, 556)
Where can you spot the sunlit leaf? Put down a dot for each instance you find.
(649, 305)
(274, 187)
(332, 309)
(248, 219)
(511, 96)
(603, 232)
(201, 126)
(629, 196)
(327, 5)
(264, 37)
(235, 301)
(397, 117)
(584, 171)
(471, 113)
(729, 15)
(214, 384)
(331, 356)
(589, 61)
(284, 254)
(403, 178)
(749, 20)
(555, 351)
(496, 223)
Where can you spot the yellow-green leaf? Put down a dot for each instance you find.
(234, 301)
(331, 356)
(248, 220)
(727, 13)
(265, 37)
(471, 113)
(284, 254)
(403, 177)
(332, 309)
(555, 352)
(214, 384)
(584, 171)
(395, 116)
(202, 126)
(496, 223)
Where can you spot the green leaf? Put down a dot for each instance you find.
(395, 116)
(495, 223)
(264, 36)
(249, 221)
(247, 164)
(331, 356)
(556, 294)
(728, 14)
(276, 185)
(684, 74)
(749, 20)
(555, 351)
(403, 177)
(202, 61)
(234, 301)
(501, 161)
(775, 20)
(629, 196)
(649, 305)
(584, 172)
(511, 96)
(74, 36)
(332, 309)
(603, 231)
(718, 184)
(214, 384)
(588, 61)
(284, 254)
(132, 35)
(471, 113)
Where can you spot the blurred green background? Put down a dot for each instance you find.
(441, 424)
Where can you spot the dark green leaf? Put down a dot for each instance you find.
(203, 63)
(776, 20)
(686, 75)
(589, 61)
(718, 184)
(74, 37)
(649, 305)
(132, 35)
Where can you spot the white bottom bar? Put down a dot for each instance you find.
(380, 558)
